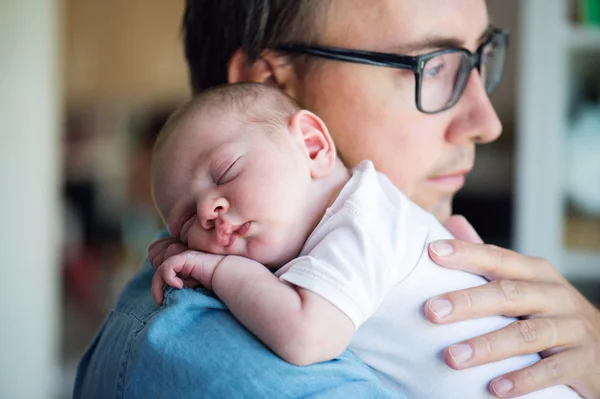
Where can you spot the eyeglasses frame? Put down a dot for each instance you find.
(416, 64)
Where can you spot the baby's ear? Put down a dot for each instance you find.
(318, 144)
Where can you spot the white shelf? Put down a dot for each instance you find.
(553, 62)
(583, 37)
(581, 265)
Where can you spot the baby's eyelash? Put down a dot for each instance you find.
(220, 169)
(224, 174)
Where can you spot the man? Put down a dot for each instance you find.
(420, 120)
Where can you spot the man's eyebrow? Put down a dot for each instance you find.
(440, 42)
(428, 43)
(486, 33)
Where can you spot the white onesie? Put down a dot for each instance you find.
(368, 256)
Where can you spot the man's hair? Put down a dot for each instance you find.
(247, 102)
(213, 30)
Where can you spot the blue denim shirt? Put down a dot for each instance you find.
(193, 347)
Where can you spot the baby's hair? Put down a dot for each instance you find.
(248, 102)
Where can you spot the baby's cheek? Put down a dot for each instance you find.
(263, 249)
(259, 203)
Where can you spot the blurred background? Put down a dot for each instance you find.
(86, 85)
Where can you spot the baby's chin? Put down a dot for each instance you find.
(275, 255)
(273, 263)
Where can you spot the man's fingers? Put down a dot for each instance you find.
(502, 297)
(561, 368)
(521, 337)
(491, 262)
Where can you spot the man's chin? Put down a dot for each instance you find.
(442, 209)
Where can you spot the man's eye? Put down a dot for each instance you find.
(434, 70)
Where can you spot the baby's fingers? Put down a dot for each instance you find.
(158, 284)
(191, 283)
(164, 275)
(161, 250)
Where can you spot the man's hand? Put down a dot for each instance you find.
(556, 319)
(196, 268)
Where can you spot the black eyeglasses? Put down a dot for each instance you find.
(441, 76)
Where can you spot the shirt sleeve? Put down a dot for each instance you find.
(349, 266)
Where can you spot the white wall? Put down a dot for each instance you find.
(29, 160)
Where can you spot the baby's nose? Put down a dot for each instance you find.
(209, 211)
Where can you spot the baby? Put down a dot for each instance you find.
(309, 256)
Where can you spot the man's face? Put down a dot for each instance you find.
(371, 110)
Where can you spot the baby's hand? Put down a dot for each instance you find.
(161, 250)
(194, 265)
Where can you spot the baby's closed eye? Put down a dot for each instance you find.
(228, 173)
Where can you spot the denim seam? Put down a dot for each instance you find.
(136, 317)
(128, 345)
(124, 362)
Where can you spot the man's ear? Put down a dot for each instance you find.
(317, 141)
(270, 68)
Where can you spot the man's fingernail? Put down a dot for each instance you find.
(502, 386)
(440, 307)
(442, 248)
(460, 353)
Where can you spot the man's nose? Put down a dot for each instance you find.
(476, 120)
(209, 209)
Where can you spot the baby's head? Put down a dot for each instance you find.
(242, 170)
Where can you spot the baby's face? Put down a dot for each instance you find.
(228, 187)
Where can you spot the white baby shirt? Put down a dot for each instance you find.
(368, 256)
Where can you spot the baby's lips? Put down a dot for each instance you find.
(223, 239)
(224, 232)
(243, 229)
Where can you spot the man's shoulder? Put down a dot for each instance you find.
(140, 341)
(194, 347)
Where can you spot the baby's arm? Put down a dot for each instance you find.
(298, 325)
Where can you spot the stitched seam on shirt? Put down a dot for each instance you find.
(423, 252)
(125, 358)
(353, 209)
(136, 317)
(148, 316)
(132, 337)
